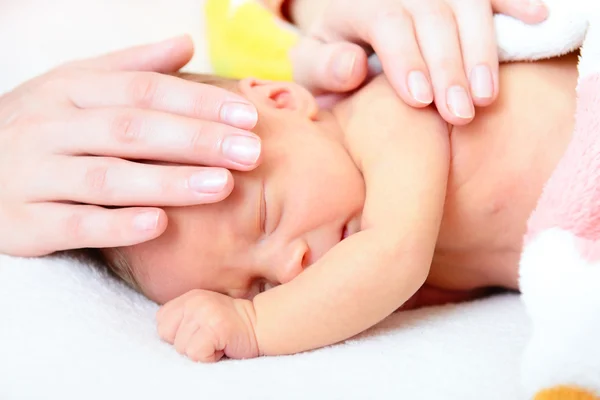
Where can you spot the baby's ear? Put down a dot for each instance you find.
(280, 95)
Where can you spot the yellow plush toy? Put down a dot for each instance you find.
(246, 39)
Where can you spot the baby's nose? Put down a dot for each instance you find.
(293, 261)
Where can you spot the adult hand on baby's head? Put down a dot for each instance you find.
(67, 139)
(205, 326)
(431, 50)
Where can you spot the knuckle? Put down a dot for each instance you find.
(217, 323)
(125, 128)
(197, 141)
(383, 20)
(201, 105)
(74, 227)
(390, 15)
(196, 318)
(55, 80)
(207, 139)
(450, 67)
(95, 178)
(435, 14)
(143, 89)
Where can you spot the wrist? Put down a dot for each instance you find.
(247, 313)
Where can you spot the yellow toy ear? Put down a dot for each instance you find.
(245, 39)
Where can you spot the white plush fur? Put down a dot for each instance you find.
(561, 292)
(68, 331)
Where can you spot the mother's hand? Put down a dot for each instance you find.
(431, 50)
(79, 138)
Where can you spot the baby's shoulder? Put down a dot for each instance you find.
(378, 102)
(377, 119)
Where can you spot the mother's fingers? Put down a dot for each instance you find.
(117, 182)
(69, 226)
(530, 12)
(479, 50)
(149, 90)
(151, 135)
(392, 36)
(341, 66)
(167, 56)
(441, 50)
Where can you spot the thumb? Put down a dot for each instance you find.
(528, 11)
(328, 67)
(165, 57)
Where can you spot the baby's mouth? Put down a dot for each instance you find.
(345, 232)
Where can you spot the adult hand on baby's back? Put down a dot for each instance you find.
(115, 132)
(430, 50)
(205, 326)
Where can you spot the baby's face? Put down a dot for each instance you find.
(278, 220)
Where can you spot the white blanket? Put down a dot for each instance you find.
(68, 331)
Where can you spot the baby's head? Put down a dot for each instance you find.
(279, 219)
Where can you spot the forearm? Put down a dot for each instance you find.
(357, 284)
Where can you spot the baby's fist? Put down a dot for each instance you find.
(205, 326)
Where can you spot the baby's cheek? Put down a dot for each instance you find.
(161, 286)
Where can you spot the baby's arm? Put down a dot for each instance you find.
(404, 156)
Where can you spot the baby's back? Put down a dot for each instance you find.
(500, 163)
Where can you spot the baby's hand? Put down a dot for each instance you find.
(205, 326)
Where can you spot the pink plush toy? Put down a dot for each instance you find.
(560, 264)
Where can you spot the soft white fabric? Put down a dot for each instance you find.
(69, 332)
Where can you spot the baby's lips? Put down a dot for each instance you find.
(350, 228)
(345, 232)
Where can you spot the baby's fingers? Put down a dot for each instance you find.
(68, 226)
(201, 349)
(168, 319)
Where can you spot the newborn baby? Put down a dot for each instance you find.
(352, 210)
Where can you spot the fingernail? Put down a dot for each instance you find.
(241, 149)
(460, 103)
(208, 181)
(147, 221)
(344, 65)
(482, 85)
(240, 115)
(419, 87)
